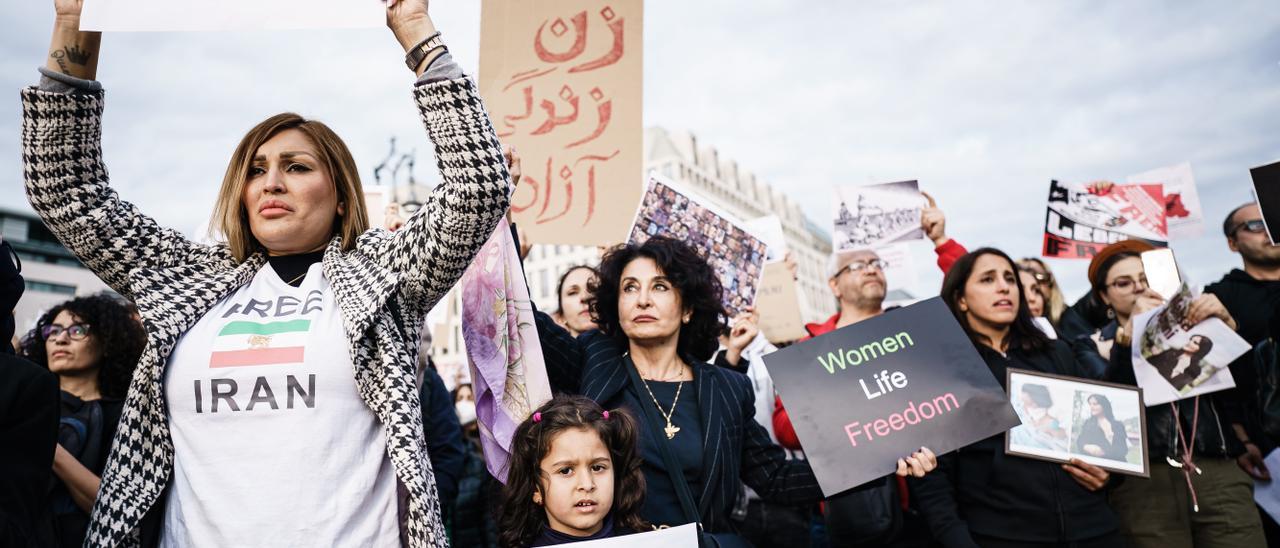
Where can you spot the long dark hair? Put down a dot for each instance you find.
(565, 276)
(1203, 347)
(697, 283)
(1023, 333)
(522, 520)
(1039, 395)
(1106, 406)
(118, 335)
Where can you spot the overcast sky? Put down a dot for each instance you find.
(983, 103)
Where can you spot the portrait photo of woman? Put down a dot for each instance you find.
(1181, 366)
(1102, 435)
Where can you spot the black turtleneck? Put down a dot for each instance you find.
(292, 268)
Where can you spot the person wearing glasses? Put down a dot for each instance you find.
(1252, 296)
(92, 344)
(1055, 302)
(1193, 445)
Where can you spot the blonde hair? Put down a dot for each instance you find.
(229, 215)
(1055, 303)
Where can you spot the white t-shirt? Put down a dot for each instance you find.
(273, 445)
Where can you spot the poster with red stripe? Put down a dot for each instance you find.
(1083, 218)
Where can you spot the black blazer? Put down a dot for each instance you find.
(736, 449)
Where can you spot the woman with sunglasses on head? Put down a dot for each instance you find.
(980, 496)
(92, 344)
(1055, 303)
(1196, 495)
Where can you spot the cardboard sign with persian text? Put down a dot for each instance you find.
(562, 83)
(225, 15)
(1084, 218)
(865, 395)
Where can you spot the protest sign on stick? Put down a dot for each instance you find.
(1082, 219)
(1182, 209)
(865, 395)
(778, 302)
(870, 216)
(224, 15)
(1266, 190)
(562, 83)
(736, 254)
(1173, 362)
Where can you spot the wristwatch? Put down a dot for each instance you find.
(418, 53)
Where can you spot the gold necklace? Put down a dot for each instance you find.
(671, 429)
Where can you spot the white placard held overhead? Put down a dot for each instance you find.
(225, 15)
(1182, 208)
(769, 229)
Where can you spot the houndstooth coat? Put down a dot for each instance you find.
(384, 287)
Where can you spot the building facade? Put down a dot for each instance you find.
(699, 169)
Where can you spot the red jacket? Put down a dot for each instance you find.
(948, 253)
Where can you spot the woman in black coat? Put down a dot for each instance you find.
(1102, 435)
(1181, 366)
(982, 497)
(659, 314)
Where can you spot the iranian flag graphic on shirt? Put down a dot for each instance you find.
(245, 343)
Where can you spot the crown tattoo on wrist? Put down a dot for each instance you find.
(77, 55)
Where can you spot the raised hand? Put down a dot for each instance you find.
(72, 52)
(933, 221)
(742, 331)
(1208, 306)
(409, 22)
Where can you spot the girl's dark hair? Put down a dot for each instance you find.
(1039, 394)
(563, 277)
(118, 336)
(1204, 346)
(1106, 406)
(694, 279)
(521, 520)
(1023, 333)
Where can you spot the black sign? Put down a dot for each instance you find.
(1266, 187)
(868, 394)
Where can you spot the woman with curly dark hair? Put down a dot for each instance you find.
(659, 313)
(92, 344)
(574, 475)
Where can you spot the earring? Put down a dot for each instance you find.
(1111, 313)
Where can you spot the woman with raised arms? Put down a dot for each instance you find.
(275, 402)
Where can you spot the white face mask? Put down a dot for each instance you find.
(466, 411)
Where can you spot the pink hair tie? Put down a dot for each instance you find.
(537, 417)
(606, 415)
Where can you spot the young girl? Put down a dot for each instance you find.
(574, 475)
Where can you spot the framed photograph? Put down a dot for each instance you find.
(1103, 424)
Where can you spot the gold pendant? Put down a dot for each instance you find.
(671, 430)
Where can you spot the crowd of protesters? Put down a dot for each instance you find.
(116, 408)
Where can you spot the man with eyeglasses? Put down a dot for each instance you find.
(857, 280)
(28, 425)
(1251, 295)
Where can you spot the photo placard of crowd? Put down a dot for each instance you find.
(870, 216)
(1083, 218)
(1173, 362)
(1063, 418)
(733, 251)
(1182, 210)
(1266, 190)
(863, 395)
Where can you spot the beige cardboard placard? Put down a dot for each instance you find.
(779, 304)
(563, 84)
